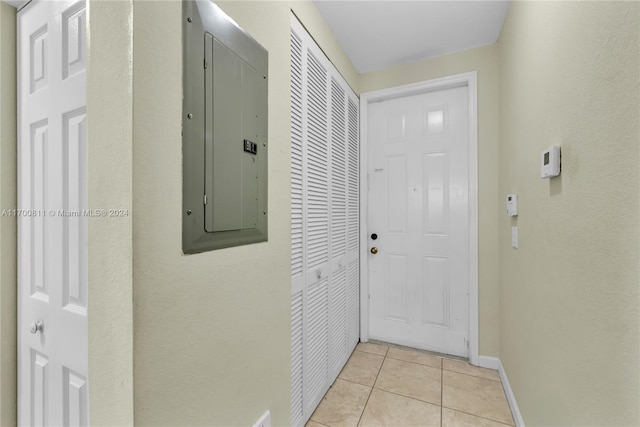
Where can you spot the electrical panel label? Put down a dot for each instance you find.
(250, 147)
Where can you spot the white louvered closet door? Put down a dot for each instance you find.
(324, 224)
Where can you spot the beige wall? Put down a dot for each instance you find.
(569, 319)
(484, 60)
(8, 226)
(109, 108)
(212, 331)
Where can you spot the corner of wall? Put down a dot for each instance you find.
(311, 18)
(8, 224)
(110, 180)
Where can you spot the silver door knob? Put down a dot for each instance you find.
(35, 327)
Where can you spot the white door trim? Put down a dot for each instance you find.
(468, 80)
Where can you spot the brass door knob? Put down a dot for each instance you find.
(374, 250)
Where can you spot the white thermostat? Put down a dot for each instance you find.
(550, 162)
(512, 204)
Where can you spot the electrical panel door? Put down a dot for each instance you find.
(224, 132)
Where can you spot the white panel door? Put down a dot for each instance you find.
(419, 208)
(52, 201)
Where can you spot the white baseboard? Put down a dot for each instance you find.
(495, 363)
(489, 362)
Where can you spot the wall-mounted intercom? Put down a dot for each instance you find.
(512, 204)
(550, 162)
(224, 131)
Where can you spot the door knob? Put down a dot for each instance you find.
(35, 327)
(374, 250)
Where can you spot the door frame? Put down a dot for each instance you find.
(470, 81)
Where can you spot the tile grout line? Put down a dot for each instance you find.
(368, 352)
(407, 397)
(474, 376)
(415, 363)
(372, 387)
(479, 416)
(418, 350)
(353, 382)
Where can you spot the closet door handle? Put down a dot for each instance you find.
(36, 327)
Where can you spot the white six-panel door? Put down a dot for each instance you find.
(419, 209)
(52, 229)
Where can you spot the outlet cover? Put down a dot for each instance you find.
(264, 420)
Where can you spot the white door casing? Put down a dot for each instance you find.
(419, 160)
(52, 202)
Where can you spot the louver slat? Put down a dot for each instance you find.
(318, 342)
(352, 167)
(317, 165)
(297, 264)
(297, 402)
(338, 311)
(353, 303)
(338, 171)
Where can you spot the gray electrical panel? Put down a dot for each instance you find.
(224, 132)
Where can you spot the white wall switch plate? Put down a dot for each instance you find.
(264, 420)
(514, 237)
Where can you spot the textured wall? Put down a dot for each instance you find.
(484, 60)
(212, 330)
(8, 224)
(569, 75)
(109, 131)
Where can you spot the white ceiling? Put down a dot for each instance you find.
(16, 3)
(376, 34)
(382, 33)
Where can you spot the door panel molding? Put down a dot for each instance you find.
(468, 80)
(52, 321)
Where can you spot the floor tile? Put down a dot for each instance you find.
(476, 396)
(466, 368)
(362, 368)
(342, 405)
(410, 380)
(451, 418)
(415, 357)
(369, 347)
(312, 423)
(388, 409)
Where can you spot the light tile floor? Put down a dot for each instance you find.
(384, 385)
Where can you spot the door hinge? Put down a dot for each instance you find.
(206, 64)
(205, 199)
